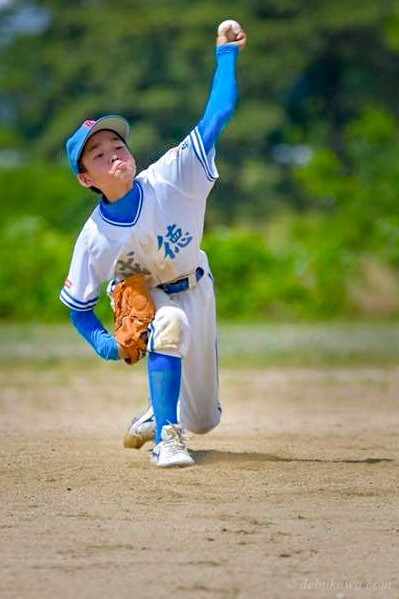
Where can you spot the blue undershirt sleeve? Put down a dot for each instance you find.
(222, 98)
(90, 327)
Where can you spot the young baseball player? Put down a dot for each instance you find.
(152, 223)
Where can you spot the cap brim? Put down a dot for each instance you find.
(114, 123)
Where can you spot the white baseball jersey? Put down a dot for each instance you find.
(163, 242)
(163, 239)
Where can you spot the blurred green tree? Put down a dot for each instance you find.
(309, 70)
(310, 158)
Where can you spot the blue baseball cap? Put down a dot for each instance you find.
(75, 143)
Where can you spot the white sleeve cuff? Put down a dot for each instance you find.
(207, 161)
(75, 304)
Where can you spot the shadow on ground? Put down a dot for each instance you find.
(212, 456)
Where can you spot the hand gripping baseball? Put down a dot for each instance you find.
(231, 32)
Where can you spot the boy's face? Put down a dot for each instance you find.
(107, 164)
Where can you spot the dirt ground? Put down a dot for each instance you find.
(294, 495)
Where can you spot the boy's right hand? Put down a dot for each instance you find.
(231, 32)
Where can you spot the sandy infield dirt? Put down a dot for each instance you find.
(294, 495)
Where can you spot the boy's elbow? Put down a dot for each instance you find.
(229, 112)
(225, 115)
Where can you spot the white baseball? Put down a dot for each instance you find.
(229, 23)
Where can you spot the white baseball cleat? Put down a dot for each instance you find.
(172, 450)
(141, 429)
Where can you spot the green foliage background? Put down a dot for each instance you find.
(304, 220)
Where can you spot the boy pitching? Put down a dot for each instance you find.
(152, 223)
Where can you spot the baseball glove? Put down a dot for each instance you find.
(133, 312)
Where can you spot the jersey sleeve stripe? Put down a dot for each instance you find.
(201, 162)
(71, 302)
(208, 162)
(74, 306)
(64, 291)
(200, 153)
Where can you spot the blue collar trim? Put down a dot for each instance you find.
(124, 212)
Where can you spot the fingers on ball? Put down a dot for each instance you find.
(229, 26)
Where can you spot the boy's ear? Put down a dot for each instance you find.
(84, 179)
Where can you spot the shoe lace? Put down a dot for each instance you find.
(176, 440)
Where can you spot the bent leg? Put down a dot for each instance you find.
(199, 408)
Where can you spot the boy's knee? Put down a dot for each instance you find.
(201, 430)
(169, 331)
(201, 426)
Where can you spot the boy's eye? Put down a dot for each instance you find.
(100, 155)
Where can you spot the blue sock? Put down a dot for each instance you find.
(164, 375)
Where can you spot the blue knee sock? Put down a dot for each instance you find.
(164, 375)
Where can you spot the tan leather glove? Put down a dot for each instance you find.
(133, 312)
